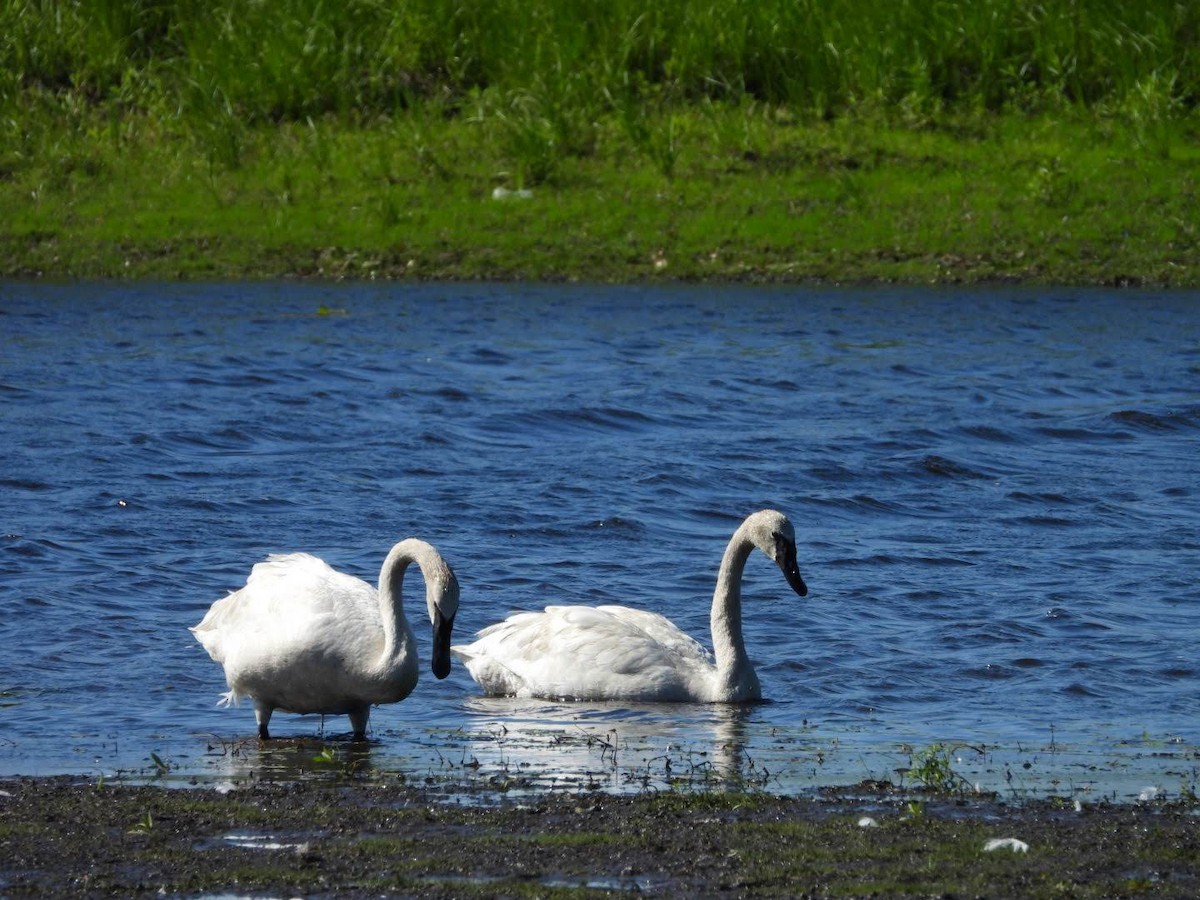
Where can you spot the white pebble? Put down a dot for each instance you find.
(503, 193)
(1006, 844)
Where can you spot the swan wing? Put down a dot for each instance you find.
(661, 629)
(289, 602)
(583, 652)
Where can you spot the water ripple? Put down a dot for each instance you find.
(1172, 420)
(939, 465)
(993, 494)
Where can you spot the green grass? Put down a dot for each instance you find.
(755, 194)
(847, 140)
(294, 59)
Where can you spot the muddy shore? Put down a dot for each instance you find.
(64, 836)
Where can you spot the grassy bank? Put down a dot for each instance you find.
(843, 141)
(360, 839)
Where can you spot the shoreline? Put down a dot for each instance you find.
(860, 202)
(351, 837)
(511, 753)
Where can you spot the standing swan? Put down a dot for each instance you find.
(304, 638)
(618, 653)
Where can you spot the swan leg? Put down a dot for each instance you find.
(262, 713)
(358, 722)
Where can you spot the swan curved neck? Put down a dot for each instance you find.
(729, 648)
(391, 590)
(441, 597)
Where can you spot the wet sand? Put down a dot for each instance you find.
(357, 838)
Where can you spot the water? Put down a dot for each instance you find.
(996, 495)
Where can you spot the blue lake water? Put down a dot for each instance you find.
(996, 495)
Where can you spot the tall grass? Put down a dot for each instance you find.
(541, 73)
(292, 58)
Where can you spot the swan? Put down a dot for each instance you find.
(619, 653)
(305, 638)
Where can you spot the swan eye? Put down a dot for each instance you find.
(783, 544)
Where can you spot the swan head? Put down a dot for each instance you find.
(773, 534)
(441, 596)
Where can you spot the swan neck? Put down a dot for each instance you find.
(397, 634)
(391, 601)
(729, 648)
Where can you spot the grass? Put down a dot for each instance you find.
(1003, 139)
(568, 59)
(754, 194)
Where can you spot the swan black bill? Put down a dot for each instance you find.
(441, 644)
(791, 568)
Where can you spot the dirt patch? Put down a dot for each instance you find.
(358, 839)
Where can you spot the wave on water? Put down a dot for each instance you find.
(1080, 434)
(992, 434)
(1170, 420)
(1042, 521)
(940, 465)
(24, 484)
(1047, 497)
(583, 420)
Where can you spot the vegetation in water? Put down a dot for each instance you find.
(933, 768)
(781, 140)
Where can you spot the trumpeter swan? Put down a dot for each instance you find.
(618, 653)
(305, 638)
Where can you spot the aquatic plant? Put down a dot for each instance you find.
(349, 765)
(1187, 790)
(161, 767)
(933, 768)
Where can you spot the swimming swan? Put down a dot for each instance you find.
(304, 638)
(618, 653)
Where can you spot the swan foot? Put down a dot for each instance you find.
(358, 723)
(262, 714)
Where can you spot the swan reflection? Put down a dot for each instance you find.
(575, 745)
(234, 761)
(515, 745)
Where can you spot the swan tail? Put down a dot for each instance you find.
(468, 653)
(496, 679)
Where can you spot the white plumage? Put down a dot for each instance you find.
(305, 638)
(619, 653)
